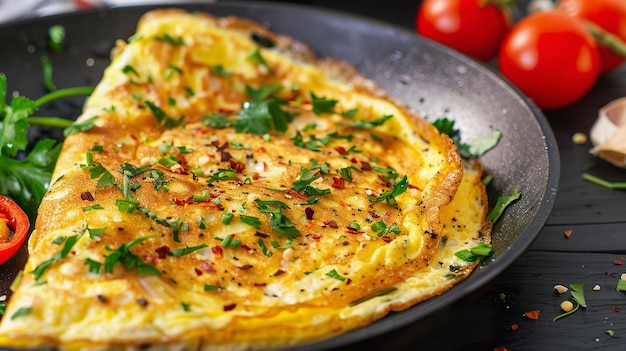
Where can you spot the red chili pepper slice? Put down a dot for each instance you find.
(14, 228)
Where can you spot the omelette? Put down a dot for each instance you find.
(232, 191)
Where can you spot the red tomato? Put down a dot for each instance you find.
(551, 57)
(14, 228)
(465, 25)
(609, 15)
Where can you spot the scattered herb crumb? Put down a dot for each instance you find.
(578, 298)
(621, 283)
(567, 306)
(579, 138)
(610, 332)
(561, 289)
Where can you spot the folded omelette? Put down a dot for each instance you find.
(234, 192)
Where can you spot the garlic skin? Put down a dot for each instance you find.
(608, 133)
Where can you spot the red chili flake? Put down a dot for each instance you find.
(181, 159)
(331, 224)
(619, 260)
(514, 327)
(373, 214)
(162, 251)
(296, 194)
(348, 281)
(500, 349)
(237, 166)
(387, 239)
(245, 247)
(230, 307)
(316, 237)
(86, 196)
(279, 272)
(261, 235)
(245, 267)
(365, 166)
(224, 110)
(260, 284)
(411, 186)
(182, 202)
(226, 156)
(341, 150)
(338, 183)
(292, 96)
(616, 308)
(198, 271)
(354, 160)
(568, 233)
(309, 213)
(207, 267)
(265, 167)
(255, 176)
(217, 252)
(261, 149)
(534, 314)
(351, 230)
(178, 169)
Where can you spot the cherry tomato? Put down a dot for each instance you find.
(551, 57)
(465, 25)
(610, 15)
(14, 227)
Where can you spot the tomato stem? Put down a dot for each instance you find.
(502, 4)
(613, 42)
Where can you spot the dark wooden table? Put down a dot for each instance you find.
(493, 318)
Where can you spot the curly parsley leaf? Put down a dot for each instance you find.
(322, 105)
(398, 188)
(476, 148)
(501, 204)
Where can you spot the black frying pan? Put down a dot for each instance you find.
(432, 80)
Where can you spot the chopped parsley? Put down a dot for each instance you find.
(334, 274)
(128, 259)
(398, 188)
(278, 221)
(474, 254)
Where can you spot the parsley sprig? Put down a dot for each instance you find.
(26, 173)
(475, 148)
